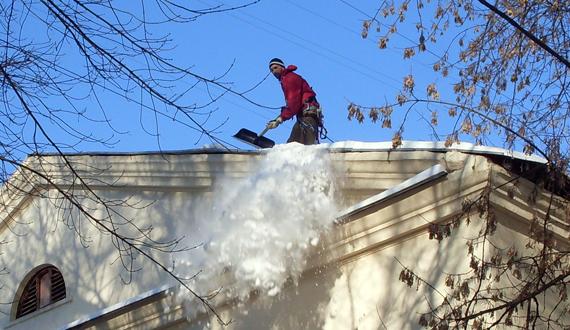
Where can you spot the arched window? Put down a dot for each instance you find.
(45, 287)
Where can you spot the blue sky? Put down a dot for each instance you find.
(321, 37)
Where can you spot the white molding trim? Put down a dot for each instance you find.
(39, 312)
(431, 174)
(117, 306)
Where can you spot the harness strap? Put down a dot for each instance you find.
(311, 108)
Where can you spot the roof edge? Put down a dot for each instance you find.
(341, 146)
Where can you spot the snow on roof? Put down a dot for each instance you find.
(347, 146)
(342, 146)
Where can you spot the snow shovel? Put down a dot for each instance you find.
(258, 141)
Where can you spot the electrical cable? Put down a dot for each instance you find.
(320, 50)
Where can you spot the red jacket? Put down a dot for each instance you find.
(297, 92)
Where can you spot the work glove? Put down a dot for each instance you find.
(274, 123)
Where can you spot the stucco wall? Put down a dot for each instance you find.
(364, 292)
(352, 281)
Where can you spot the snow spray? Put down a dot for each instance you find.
(258, 232)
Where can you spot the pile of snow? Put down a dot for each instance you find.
(260, 230)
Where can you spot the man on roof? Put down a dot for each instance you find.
(301, 102)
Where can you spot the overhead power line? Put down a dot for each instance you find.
(316, 48)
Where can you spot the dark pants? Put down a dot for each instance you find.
(304, 131)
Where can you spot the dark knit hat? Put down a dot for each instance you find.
(277, 61)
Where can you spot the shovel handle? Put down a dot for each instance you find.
(264, 131)
(267, 128)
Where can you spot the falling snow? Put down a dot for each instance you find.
(259, 231)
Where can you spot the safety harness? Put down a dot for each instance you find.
(311, 108)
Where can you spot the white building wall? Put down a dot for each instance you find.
(353, 284)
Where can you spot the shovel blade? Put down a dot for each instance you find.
(253, 139)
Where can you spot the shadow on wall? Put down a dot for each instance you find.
(300, 305)
(46, 232)
(369, 294)
(90, 275)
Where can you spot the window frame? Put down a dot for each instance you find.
(31, 296)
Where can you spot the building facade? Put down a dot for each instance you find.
(63, 271)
